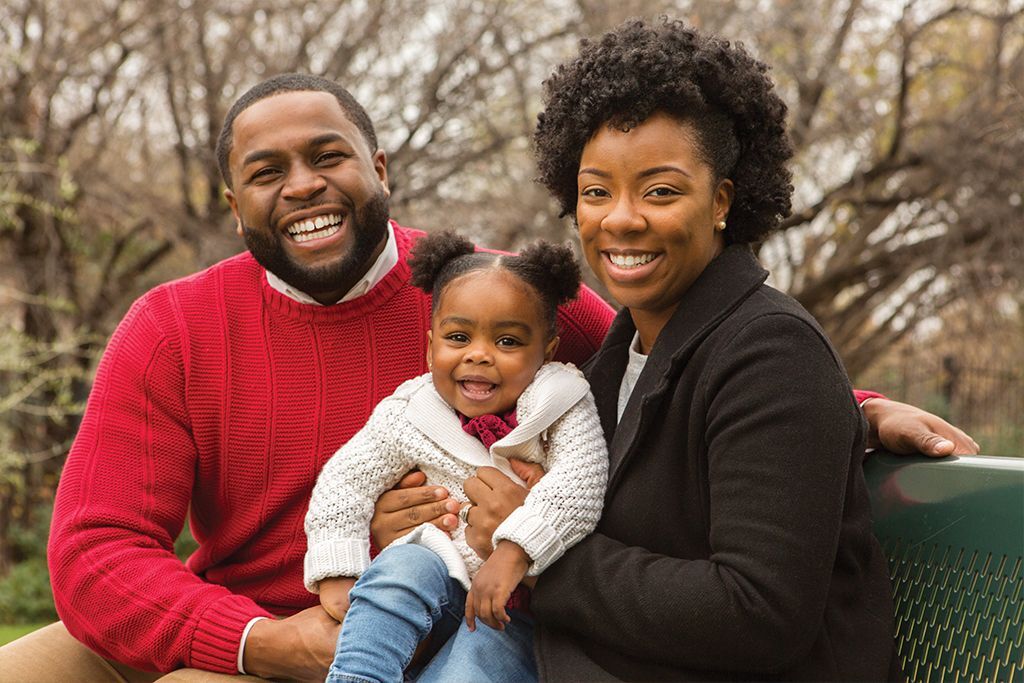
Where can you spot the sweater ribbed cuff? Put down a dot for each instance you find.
(218, 634)
(534, 535)
(337, 557)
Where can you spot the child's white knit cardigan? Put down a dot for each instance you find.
(414, 427)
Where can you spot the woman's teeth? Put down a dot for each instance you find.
(630, 261)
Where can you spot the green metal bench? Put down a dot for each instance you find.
(953, 530)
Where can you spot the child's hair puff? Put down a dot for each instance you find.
(432, 253)
(549, 269)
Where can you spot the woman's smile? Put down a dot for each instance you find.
(630, 266)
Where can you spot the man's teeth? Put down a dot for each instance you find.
(630, 261)
(315, 228)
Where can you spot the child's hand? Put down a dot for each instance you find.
(334, 595)
(529, 472)
(493, 585)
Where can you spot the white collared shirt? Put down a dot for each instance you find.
(387, 260)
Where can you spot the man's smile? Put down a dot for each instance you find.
(314, 228)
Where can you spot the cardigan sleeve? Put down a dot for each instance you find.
(122, 500)
(777, 475)
(342, 503)
(565, 504)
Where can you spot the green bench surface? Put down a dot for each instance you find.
(953, 530)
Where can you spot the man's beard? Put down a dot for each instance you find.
(369, 228)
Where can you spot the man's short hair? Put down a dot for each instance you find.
(290, 83)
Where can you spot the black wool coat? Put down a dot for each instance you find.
(736, 537)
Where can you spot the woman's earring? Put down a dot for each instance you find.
(720, 225)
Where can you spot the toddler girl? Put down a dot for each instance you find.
(491, 395)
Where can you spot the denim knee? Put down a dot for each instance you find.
(408, 569)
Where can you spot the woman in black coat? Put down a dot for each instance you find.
(736, 536)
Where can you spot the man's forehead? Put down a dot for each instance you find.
(295, 115)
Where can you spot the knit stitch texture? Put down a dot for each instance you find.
(558, 428)
(220, 398)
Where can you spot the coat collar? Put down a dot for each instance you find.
(727, 281)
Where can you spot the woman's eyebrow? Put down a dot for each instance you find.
(654, 170)
(667, 168)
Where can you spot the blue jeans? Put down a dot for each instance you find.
(402, 597)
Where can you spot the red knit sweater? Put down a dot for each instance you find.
(219, 392)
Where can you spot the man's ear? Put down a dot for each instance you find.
(380, 165)
(233, 203)
(549, 350)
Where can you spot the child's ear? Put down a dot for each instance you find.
(549, 350)
(430, 340)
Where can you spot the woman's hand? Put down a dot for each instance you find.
(493, 585)
(493, 496)
(410, 504)
(902, 428)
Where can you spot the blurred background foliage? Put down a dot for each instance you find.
(906, 240)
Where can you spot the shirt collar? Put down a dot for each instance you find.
(387, 260)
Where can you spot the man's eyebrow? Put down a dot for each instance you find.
(326, 138)
(258, 155)
(318, 141)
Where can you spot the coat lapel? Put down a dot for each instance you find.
(727, 281)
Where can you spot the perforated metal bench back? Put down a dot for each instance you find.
(953, 530)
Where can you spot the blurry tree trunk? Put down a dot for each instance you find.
(910, 150)
(62, 79)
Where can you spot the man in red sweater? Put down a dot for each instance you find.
(221, 395)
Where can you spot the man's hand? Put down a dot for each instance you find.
(410, 504)
(902, 428)
(334, 595)
(493, 585)
(494, 497)
(300, 647)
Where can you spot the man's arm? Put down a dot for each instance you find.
(902, 428)
(122, 500)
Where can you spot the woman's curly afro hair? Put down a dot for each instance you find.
(724, 93)
(549, 269)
